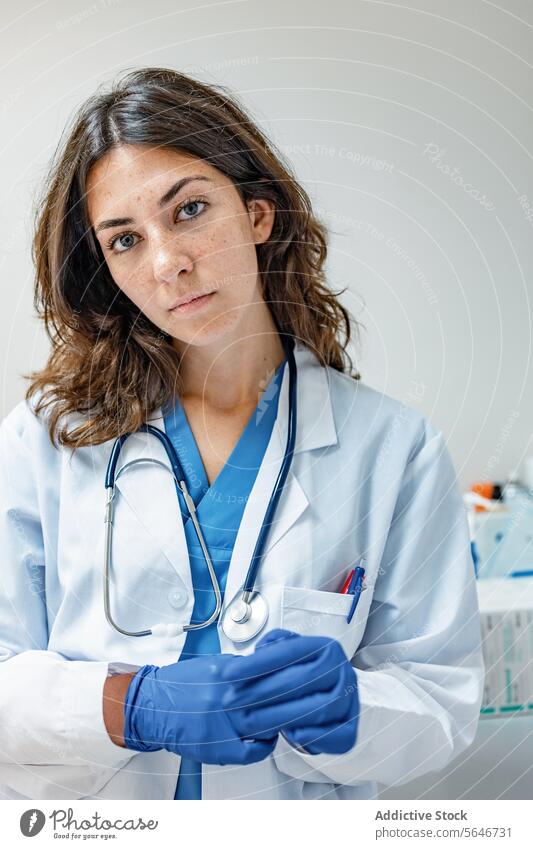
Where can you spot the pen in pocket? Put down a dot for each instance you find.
(347, 586)
(354, 588)
(348, 581)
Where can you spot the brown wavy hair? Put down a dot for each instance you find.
(108, 362)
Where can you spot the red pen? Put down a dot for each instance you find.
(347, 582)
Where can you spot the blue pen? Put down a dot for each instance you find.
(355, 588)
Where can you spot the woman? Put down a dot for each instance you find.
(180, 276)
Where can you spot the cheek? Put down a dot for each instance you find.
(137, 287)
(228, 253)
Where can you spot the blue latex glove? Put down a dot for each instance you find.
(303, 687)
(179, 708)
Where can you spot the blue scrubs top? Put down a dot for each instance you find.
(219, 511)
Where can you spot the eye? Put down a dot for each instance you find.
(192, 204)
(111, 244)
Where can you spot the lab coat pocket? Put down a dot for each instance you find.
(321, 613)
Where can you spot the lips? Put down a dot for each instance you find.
(188, 300)
(184, 301)
(196, 302)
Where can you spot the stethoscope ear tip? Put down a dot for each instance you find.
(163, 629)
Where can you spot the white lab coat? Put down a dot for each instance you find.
(370, 478)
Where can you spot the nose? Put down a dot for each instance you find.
(170, 259)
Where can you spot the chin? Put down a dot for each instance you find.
(212, 332)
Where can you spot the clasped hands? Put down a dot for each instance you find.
(229, 709)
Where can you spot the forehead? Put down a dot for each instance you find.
(118, 175)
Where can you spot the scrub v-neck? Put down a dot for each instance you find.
(219, 509)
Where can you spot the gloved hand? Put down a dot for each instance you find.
(301, 686)
(179, 708)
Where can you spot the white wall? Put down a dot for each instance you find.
(353, 93)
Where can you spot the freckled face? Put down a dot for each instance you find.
(200, 240)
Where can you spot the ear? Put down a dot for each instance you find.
(262, 214)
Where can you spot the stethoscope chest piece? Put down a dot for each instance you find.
(243, 620)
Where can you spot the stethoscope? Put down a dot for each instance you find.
(245, 617)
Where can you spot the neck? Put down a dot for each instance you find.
(232, 374)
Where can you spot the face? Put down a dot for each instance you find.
(171, 228)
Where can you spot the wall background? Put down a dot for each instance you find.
(410, 127)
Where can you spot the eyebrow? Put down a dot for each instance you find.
(171, 193)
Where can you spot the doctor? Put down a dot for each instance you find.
(179, 273)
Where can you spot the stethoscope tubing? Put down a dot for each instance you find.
(176, 470)
(258, 553)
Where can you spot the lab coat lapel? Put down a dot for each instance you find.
(315, 429)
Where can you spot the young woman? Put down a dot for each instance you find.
(179, 271)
